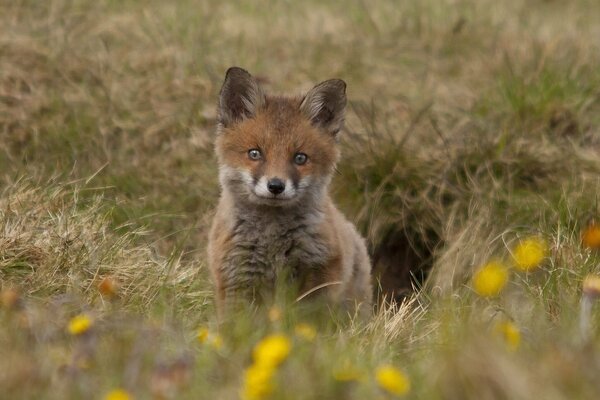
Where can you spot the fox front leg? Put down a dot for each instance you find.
(240, 292)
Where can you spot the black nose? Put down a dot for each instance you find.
(276, 186)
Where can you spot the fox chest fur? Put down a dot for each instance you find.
(265, 246)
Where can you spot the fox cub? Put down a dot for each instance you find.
(275, 220)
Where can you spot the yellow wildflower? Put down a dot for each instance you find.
(258, 382)
(79, 324)
(510, 333)
(272, 350)
(274, 314)
(206, 337)
(392, 380)
(490, 279)
(591, 286)
(529, 253)
(118, 394)
(202, 335)
(216, 341)
(306, 331)
(590, 237)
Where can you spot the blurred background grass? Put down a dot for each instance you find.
(470, 124)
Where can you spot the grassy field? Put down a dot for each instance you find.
(473, 127)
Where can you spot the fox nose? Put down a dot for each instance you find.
(276, 186)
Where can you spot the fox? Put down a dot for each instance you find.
(275, 220)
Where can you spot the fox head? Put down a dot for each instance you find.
(277, 151)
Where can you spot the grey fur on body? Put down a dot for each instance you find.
(268, 243)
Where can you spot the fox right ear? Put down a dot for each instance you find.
(240, 97)
(325, 105)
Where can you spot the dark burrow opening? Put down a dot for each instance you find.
(401, 262)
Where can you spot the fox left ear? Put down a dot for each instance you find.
(240, 97)
(325, 105)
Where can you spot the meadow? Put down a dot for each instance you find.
(470, 162)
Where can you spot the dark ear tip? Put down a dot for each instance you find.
(236, 71)
(338, 84)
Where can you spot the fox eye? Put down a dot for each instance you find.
(300, 158)
(254, 154)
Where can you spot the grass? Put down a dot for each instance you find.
(471, 125)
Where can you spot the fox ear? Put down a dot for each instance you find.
(325, 105)
(240, 97)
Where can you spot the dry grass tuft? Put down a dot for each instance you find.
(55, 242)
